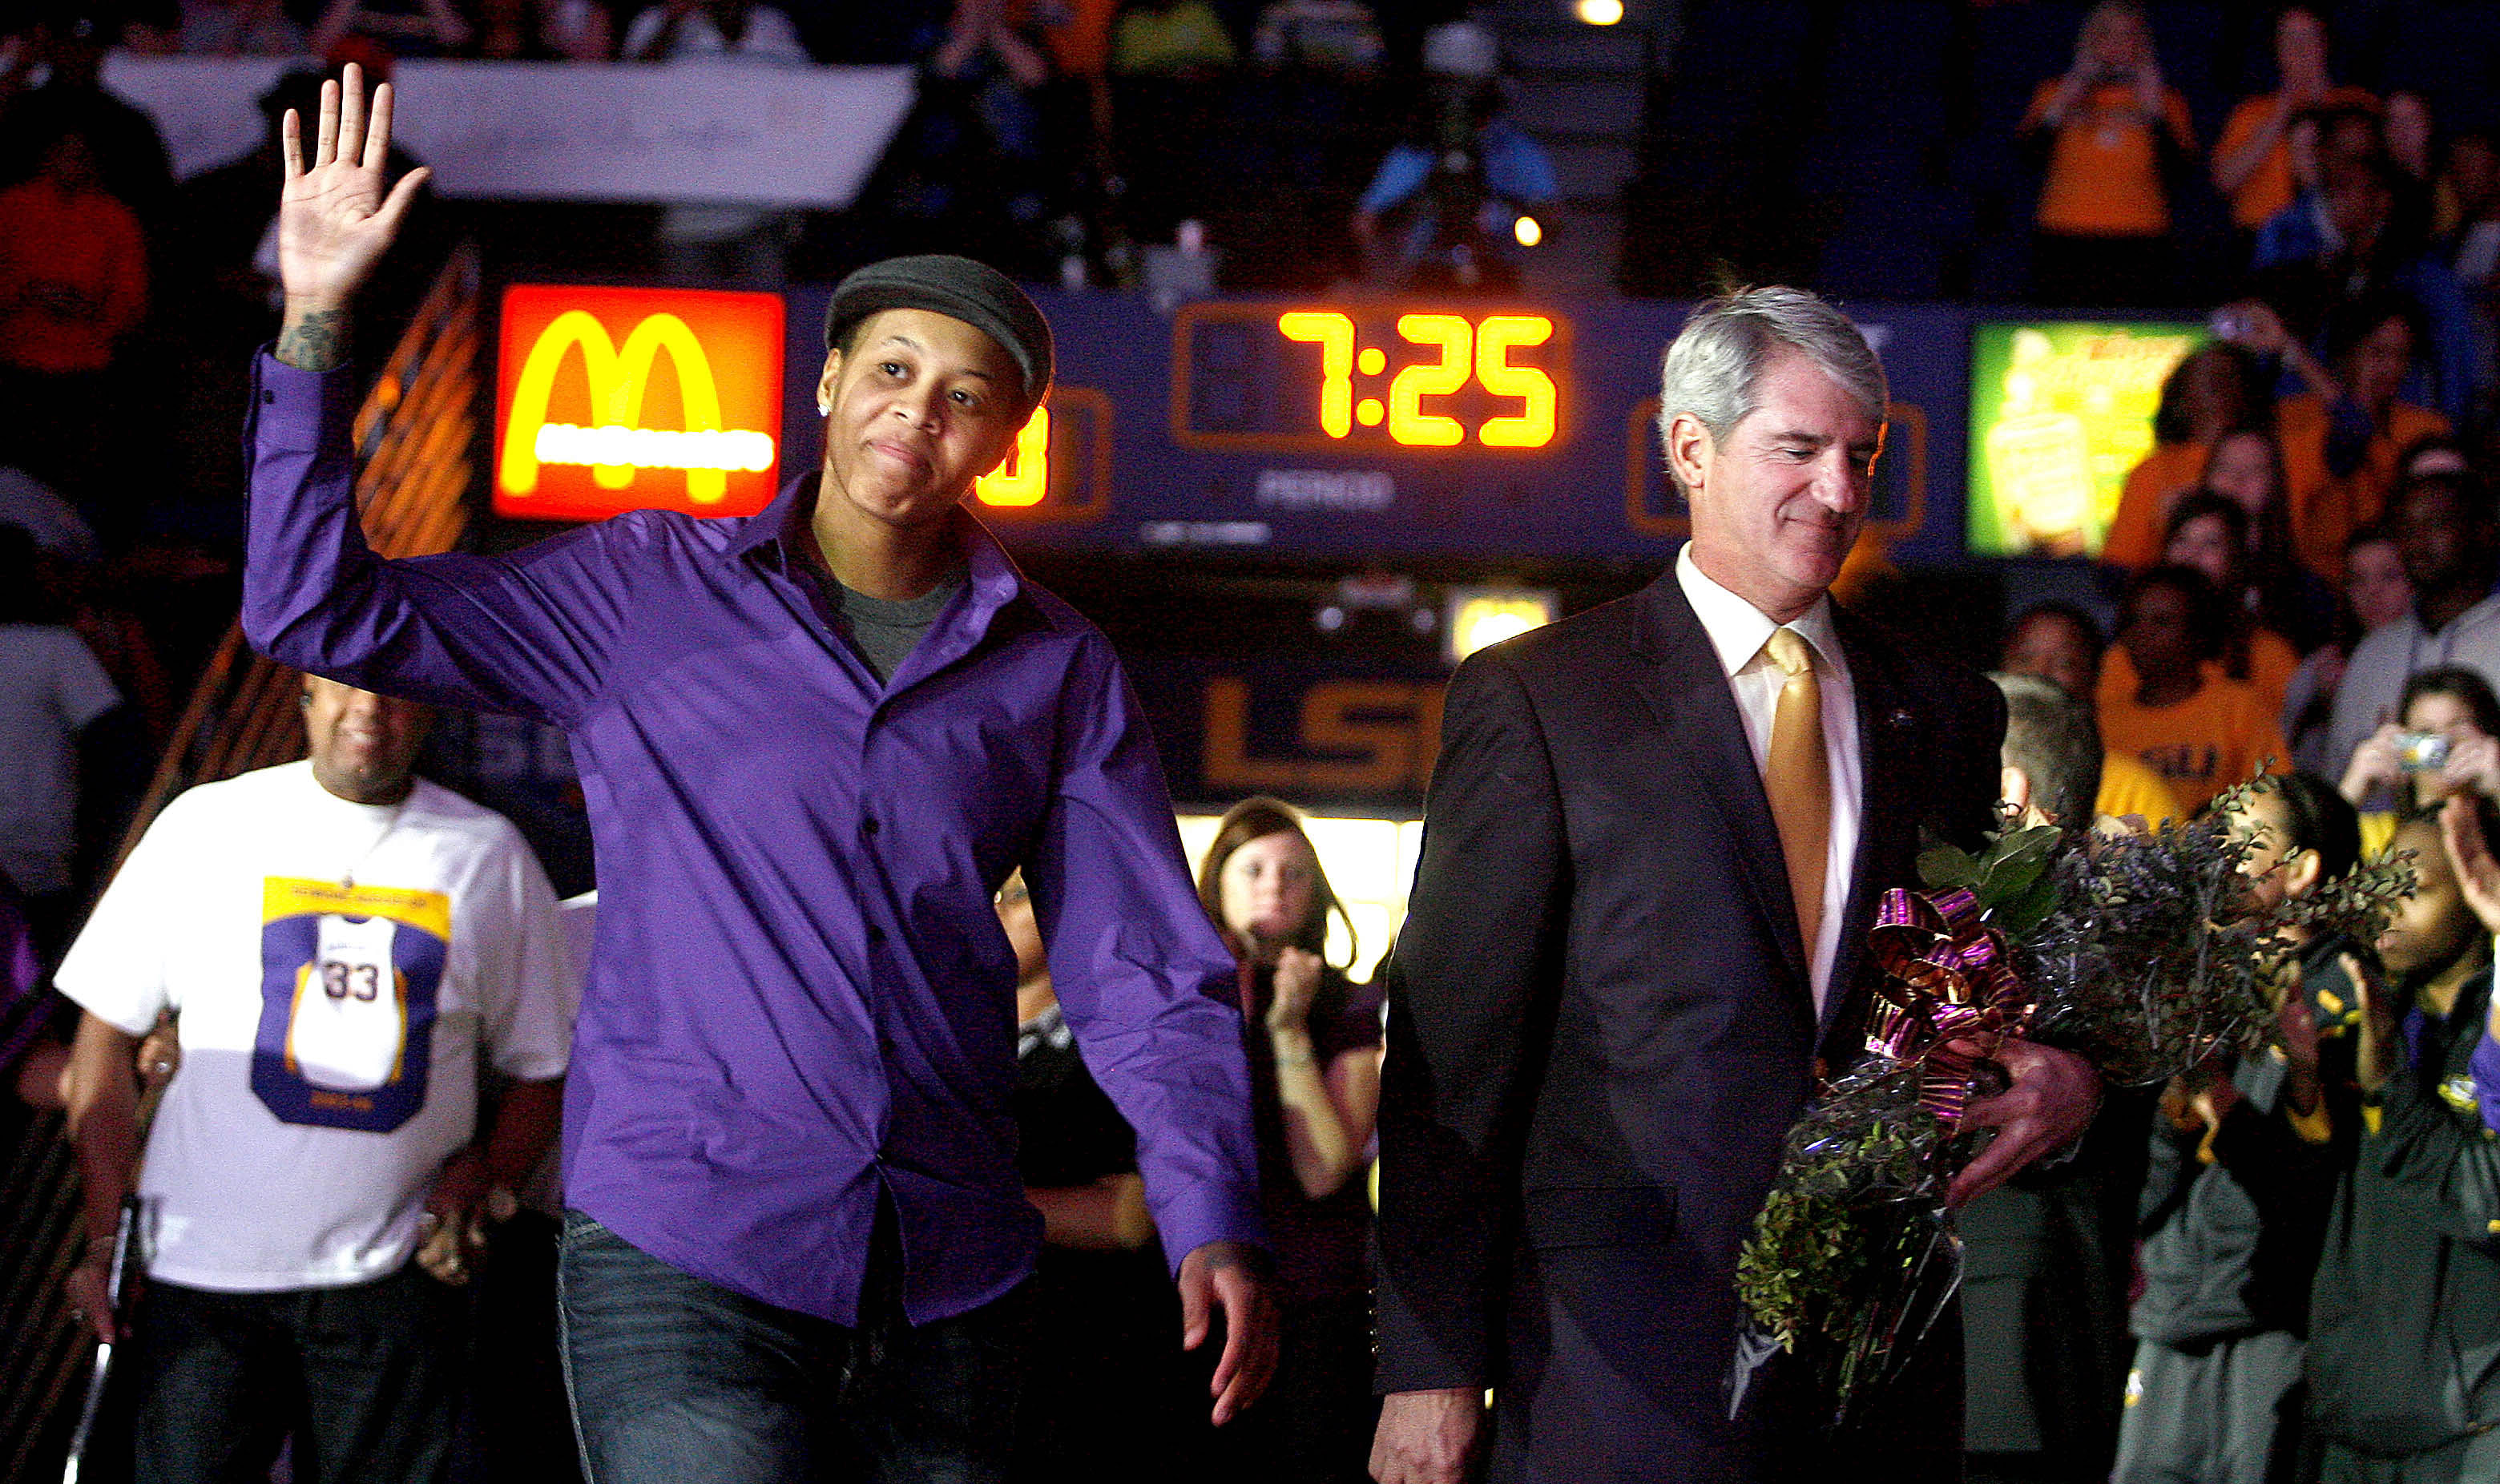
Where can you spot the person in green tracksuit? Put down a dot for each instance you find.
(2404, 1354)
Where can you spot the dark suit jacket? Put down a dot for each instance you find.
(1607, 1028)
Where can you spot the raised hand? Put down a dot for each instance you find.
(2473, 762)
(2477, 875)
(2375, 765)
(2296, 1032)
(2375, 1050)
(2149, 92)
(334, 219)
(1296, 983)
(2255, 326)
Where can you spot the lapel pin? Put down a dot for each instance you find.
(1901, 720)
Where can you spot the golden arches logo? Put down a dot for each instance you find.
(617, 446)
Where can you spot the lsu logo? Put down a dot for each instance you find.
(617, 399)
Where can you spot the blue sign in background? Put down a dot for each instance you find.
(1597, 490)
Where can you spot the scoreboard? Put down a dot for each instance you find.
(1243, 379)
(1354, 428)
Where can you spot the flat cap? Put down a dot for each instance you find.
(959, 288)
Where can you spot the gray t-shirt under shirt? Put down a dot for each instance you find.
(884, 633)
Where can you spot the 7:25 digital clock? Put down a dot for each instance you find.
(1265, 378)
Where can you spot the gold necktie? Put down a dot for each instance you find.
(1797, 778)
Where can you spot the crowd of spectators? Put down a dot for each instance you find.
(1058, 135)
(2305, 567)
(2312, 526)
(2279, 1270)
(2330, 190)
(1061, 140)
(1064, 135)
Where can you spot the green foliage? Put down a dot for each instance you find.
(2142, 952)
(1864, 1150)
(2159, 952)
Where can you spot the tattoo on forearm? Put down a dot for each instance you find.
(314, 341)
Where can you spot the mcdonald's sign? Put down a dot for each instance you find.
(618, 399)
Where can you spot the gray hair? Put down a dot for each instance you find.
(1713, 368)
(2056, 740)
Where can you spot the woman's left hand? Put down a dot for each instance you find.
(1296, 984)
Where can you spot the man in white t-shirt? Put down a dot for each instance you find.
(341, 944)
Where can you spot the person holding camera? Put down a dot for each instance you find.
(2401, 1383)
(2111, 132)
(2445, 742)
(2443, 537)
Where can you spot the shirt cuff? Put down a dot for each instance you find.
(1199, 1215)
(290, 405)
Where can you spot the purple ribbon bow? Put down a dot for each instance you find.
(1946, 978)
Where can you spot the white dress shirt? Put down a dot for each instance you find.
(1738, 630)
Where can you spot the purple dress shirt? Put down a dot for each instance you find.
(800, 991)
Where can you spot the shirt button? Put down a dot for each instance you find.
(267, 398)
(870, 824)
(877, 935)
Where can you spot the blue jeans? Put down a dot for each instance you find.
(676, 1380)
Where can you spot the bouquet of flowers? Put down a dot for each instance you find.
(2144, 953)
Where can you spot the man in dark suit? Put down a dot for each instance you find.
(1656, 839)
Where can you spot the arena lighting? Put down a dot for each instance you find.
(1488, 615)
(1600, 13)
(1528, 232)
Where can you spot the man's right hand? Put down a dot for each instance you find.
(334, 219)
(90, 1294)
(1427, 1436)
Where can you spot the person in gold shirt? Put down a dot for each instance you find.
(2209, 393)
(2254, 162)
(2059, 642)
(2110, 129)
(2343, 439)
(2209, 533)
(2196, 727)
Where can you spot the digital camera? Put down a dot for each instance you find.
(2421, 751)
